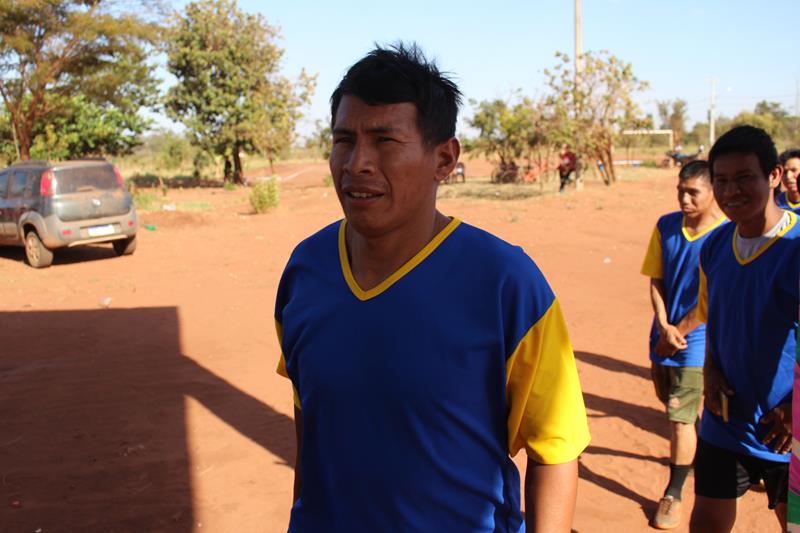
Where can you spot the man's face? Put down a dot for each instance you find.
(385, 176)
(791, 172)
(740, 186)
(695, 196)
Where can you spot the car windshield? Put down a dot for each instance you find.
(88, 178)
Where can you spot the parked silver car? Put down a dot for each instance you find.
(46, 206)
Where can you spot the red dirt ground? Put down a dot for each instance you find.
(160, 410)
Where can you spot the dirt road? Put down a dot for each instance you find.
(139, 394)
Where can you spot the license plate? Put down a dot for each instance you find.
(99, 231)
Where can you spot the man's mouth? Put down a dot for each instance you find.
(362, 195)
(733, 205)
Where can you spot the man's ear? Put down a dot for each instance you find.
(446, 158)
(775, 176)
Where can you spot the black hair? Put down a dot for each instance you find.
(746, 140)
(398, 74)
(791, 153)
(695, 169)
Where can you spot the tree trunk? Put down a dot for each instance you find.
(611, 169)
(23, 143)
(237, 167)
(271, 165)
(227, 172)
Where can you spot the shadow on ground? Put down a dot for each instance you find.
(614, 365)
(94, 430)
(64, 256)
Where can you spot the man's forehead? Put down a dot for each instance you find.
(735, 162)
(354, 113)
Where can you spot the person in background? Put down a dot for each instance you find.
(789, 198)
(677, 337)
(567, 165)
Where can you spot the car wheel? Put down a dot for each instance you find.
(125, 246)
(39, 256)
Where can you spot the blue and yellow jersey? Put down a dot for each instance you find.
(784, 203)
(415, 393)
(750, 309)
(672, 257)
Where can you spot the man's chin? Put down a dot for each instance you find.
(365, 225)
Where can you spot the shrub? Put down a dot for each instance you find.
(328, 180)
(229, 186)
(144, 201)
(264, 195)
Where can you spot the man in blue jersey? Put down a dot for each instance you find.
(677, 337)
(423, 352)
(789, 198)
(748, 298)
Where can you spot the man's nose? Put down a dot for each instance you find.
(361, 159)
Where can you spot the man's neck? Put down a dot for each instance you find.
(700, 222)
(758, 226)
(373, 260)
(792, 196)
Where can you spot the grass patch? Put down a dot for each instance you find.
(229, 186)
(490, 191)
(145, 201)
(195, 206)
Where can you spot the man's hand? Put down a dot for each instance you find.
(714, 383)
(670, 341)
(781, 433)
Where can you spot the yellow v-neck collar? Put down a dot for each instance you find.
(781, 233)
(363, 295)
(692, 238)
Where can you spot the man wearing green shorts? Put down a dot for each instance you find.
(677, 338)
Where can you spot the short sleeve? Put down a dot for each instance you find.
(547, 415)
(702, 297)
(281, 370)
(653, 265)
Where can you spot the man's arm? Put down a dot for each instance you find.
(689, 322)
(298, 465)
(670, 338)
(550, 493)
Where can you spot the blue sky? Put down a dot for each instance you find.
(494, 48)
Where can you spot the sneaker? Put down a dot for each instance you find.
(668, 514)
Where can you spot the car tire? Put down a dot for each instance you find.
(39, 256)
(125, 246)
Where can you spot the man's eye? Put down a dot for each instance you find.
(340, 140)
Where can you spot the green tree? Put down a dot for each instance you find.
(230, 93)
(590, 110)
(82, 127)
(321, 139)
(769, 116)
(673, 117)
(53, 51)
(503, 129)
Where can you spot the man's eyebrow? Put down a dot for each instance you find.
(373, 130)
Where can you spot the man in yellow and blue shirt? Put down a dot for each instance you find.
(677, 337)
(423, 351)
(748, 298)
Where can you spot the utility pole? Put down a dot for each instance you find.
(712, 136)
(578, 44)
(796, 107)
(578, 72)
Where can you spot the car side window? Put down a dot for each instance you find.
(3, 184)
(29, 182)
(19, 179)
